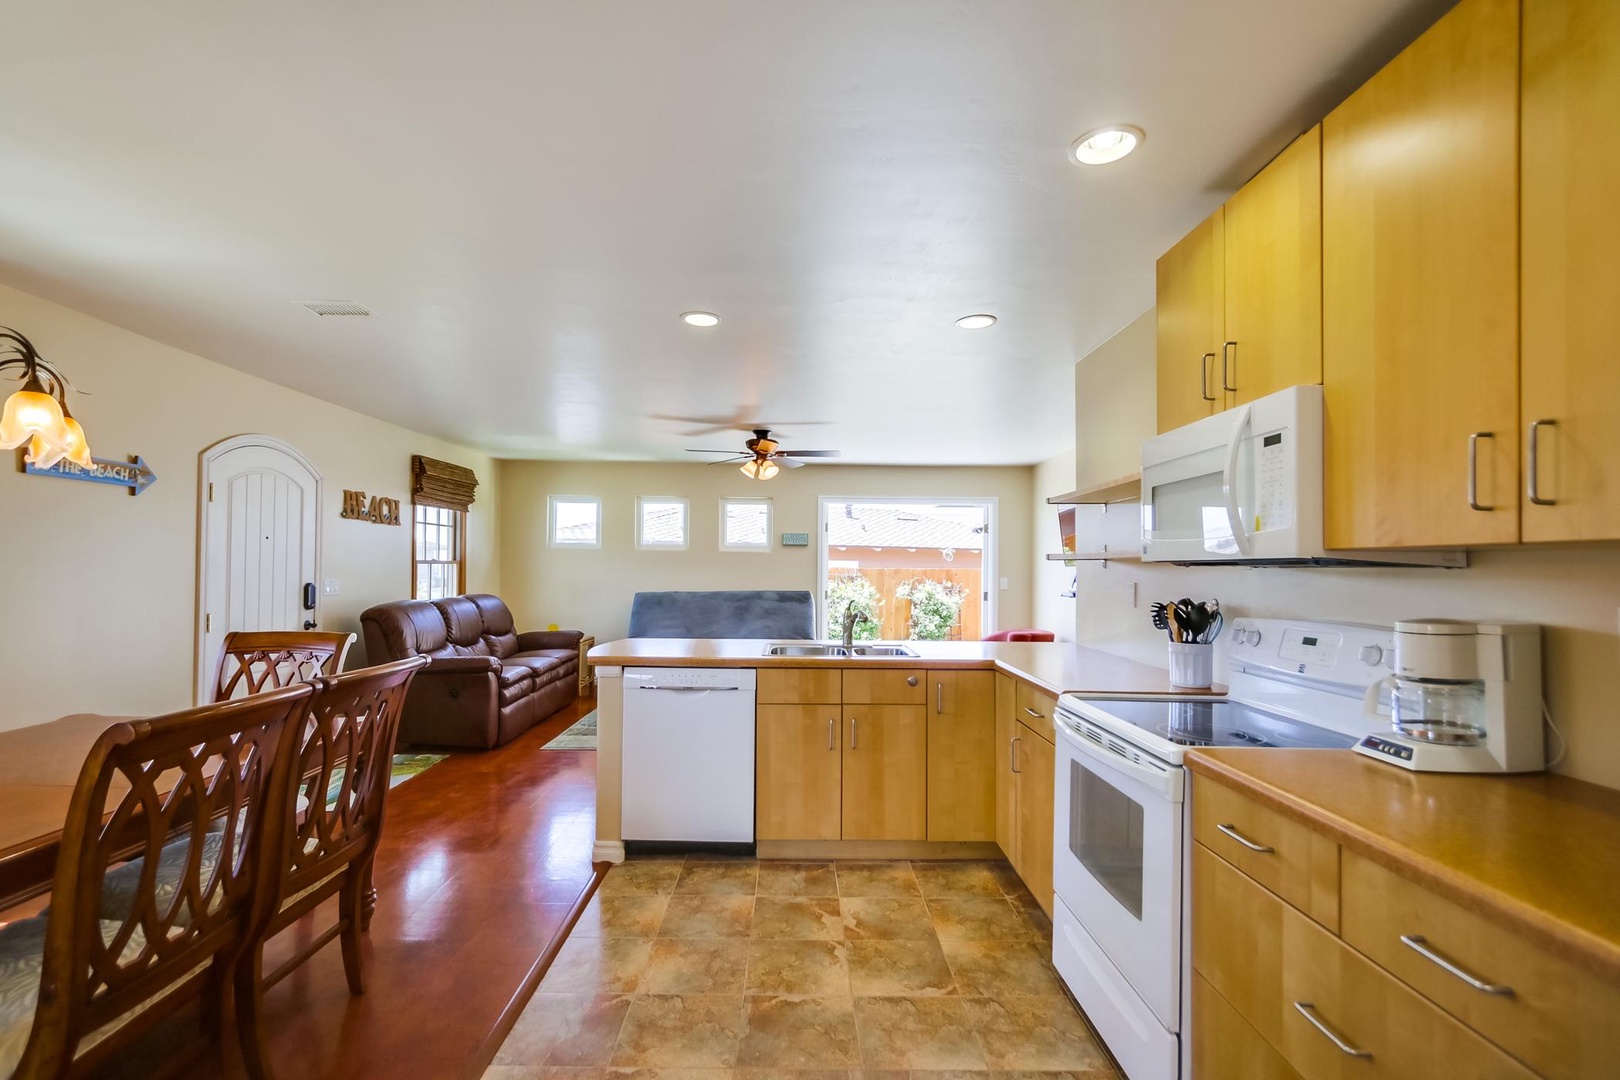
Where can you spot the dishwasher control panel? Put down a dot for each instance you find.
(675, 678)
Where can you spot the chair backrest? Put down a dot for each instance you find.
(345, 763)
(258, 660)
(212, 769)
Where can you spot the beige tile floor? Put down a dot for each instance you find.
(706, 969)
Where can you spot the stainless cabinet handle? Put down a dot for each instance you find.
(1420, 945)
(1032, 712)
(1013, 748)
(1205, 363)
(1232, 345)
(1231, 831)
(1473, 470)
(832, 734)
(853, 745)
(1533, 484)
(939, 697)
(1308, 1011)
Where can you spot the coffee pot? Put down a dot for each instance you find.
(1465, 697)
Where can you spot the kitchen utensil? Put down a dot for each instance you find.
(1172, 614)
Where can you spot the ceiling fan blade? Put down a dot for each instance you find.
(787, 462)
(809, 453)
(732, 460)
(732, 452)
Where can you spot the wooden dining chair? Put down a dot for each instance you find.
(194, 801)
(251, 662)
(334, 804)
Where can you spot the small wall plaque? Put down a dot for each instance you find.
(377, 509)
(795, 539)
(134, 476)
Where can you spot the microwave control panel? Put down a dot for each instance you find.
(1271, 509)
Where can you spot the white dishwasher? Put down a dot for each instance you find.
(689, 754)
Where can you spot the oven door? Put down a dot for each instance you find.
(1117, 858)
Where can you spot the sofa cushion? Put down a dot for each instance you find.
(404, 629)
(723, 614)
(465, 624)
(516, 682)
(499, 631)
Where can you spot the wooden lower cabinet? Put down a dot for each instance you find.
(1328, 1011)
(798, 772)
(1036, 765)
(1006, 781)
(885, 781)
(1226, 1046)
(961, 755)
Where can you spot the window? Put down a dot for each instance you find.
(576, 521)
(660, 523)
(745, 524)
(439, 551)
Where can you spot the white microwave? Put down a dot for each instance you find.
(1245, 487)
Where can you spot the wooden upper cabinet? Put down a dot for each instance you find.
(961, 755)
(1420, 291)
(1571, 280)
(885, 772)
(1273, 277)
(1191, 318)
(799, 770)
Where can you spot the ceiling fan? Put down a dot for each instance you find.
(762, 459)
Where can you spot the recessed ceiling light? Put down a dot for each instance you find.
(700, 318)
(976, 322)
(1106, 144)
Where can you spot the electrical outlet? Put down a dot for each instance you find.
(329, 586)
(1003, 583)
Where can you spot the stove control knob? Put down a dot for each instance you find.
(1249, 636)
(1371, 655)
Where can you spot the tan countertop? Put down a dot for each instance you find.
(1539, 853)
(1056, 667)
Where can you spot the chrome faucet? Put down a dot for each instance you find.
(853, 615)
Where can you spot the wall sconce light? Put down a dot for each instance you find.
(38, 414)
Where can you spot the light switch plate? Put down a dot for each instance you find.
(329, 586)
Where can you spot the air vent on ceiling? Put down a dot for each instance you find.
(327, 307)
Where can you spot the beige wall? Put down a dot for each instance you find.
(1572, 590)
(591, 589)
(1051, 609)
(101, 587)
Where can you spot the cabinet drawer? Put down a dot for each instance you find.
(885, 686)
(1557, 1018)
(798, 686)
(1225, 1046)
(1331, 1013)
(1286, 857)
(1035, 710)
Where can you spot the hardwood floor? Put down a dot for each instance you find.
(482, 858)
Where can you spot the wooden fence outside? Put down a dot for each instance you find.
(895, 613)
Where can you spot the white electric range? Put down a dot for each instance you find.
(1123, 830)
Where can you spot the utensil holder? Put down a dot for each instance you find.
(1192, 666)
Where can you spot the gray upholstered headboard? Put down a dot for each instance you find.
(723, 614)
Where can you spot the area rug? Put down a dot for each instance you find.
(409, 765)
(582, 736)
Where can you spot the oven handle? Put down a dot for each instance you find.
(1161, 781)
(1234, 517)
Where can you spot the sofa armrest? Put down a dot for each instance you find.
(461, 665)
(535, 640)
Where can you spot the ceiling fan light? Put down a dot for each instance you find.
(760, 470)
(32, 412)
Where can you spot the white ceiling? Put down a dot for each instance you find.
(528, 194)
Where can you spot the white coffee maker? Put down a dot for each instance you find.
(1465, 697)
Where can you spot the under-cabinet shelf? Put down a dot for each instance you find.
(1120, 489)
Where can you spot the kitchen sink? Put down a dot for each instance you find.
(806, 650)
(882, 650)
(831, 650)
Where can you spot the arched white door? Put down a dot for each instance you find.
(260, 513)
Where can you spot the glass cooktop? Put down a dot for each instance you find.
(1218, 723)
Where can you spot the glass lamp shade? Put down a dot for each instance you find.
(42, 455)
(760, 470)
(78, 447)
(30, 412)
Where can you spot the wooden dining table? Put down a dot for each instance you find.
(39, 766)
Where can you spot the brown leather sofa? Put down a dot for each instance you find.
(485, 683)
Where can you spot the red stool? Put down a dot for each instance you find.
(1021, 635)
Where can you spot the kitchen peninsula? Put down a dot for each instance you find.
(947, 753)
